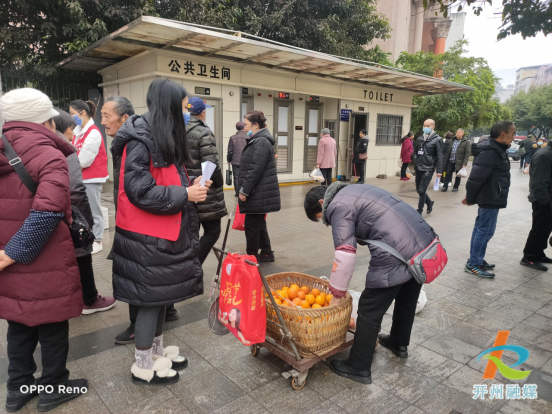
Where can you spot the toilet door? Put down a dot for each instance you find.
(313, 126)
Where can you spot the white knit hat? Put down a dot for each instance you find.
(27, 105)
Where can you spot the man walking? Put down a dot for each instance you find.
(488, 186)
(428, 157)
(457, 156)
(203, 148)
(235, 149)
(540, 195)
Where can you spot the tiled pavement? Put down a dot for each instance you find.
(461, 319)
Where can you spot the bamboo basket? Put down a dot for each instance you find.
(315, 330)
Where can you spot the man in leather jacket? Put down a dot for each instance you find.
(428, 157)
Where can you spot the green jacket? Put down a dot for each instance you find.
(462, 153)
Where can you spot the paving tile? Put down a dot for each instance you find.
(325, 382)
(539, 322)
(250, 373)
(546, 311)
(436, 291)
(502, 308)
(491, 322)
(404, 382)
(412, 410)
(443, 399)
(206, 392)
(243, 405)
(464, 379)
(537, 406)
(85, 324)
(279, 395)
(436, 319)
(470, 299)
(327, 407)
(431, 363)
(529, 293)
(368, 399)
(452, 348)
(452, 308)
(473, 334)
(101, 367)
(537, 337)
(163, 403)
(421, 333)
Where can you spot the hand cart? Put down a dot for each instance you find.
(300, 364)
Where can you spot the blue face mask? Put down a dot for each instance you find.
(78, 121)
(186, 117)
(250, 132)
(539, 143)
(427, 130)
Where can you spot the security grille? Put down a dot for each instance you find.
(389, 130)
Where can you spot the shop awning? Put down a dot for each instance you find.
(148, 33)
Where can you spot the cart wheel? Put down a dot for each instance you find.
(295, 384)
(255, 349)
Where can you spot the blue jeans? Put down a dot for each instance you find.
(483, 232)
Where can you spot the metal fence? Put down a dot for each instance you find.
(62, 86)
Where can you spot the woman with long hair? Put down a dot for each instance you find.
(156, 242)
(93, 160)
(406, 154)
(258, 184)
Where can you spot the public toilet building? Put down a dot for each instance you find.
(300, 91)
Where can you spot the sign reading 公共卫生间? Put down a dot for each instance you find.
(199, 69)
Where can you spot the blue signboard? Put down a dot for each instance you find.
(345, 114)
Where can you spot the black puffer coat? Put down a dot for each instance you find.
(540, 184)
(360, 148)
(150, 271)
(203, 148)
(431, 157)
(489, 181)
(258, 177)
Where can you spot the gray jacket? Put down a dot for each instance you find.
(368, 212)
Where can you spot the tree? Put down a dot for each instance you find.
(43, 32)
(532, 111)
(456, 110)
(527, 17)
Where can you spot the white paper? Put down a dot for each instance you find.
(207, 169)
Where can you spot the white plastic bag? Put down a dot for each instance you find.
(400, 162)
(354, 313)
(316, 174)
(462, 173)
(436, 185)
(526, 170)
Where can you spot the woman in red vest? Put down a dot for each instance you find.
(93, 160)
(156, 244)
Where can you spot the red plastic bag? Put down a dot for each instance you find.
(242, 305)
(239, 220)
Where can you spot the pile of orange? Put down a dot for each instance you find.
(302, 297)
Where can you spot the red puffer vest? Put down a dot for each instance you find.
(98, 169)
(47, 290)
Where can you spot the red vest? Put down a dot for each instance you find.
(98, 169)
(132, 218)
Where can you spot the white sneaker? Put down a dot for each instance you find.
(97, 247)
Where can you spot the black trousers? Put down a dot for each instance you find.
(403, 169)
(256, 235)
(22, 342)
(358, 170)
(423, 178)
(540, 232)
(372, 306)
(211, 233)
(451, 169)
(327, 173)
(89, 291)
(236, 176)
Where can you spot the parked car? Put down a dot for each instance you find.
(513, 151)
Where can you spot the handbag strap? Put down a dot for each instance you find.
(387, 248)
(18, 166)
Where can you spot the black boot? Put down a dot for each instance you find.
(387, 342)
(430, 207)
(49, 401)
(342, 369)
(16, 400)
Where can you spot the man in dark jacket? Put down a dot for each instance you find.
(203, 148)
(361, 149)
(235, 149)
(456, 157)
(428, 157)
(488, 186)
(371, 213)
(540, 195)
(530, 145)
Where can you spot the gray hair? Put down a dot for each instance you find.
(459, 129)
(325, 131)
(122, 105)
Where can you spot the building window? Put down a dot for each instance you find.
(389, 130)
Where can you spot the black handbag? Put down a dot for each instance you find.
(228, 177)
(80, 230)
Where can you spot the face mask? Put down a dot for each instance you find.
(250, 132)
(78, 121)
(427, 130)
(186, 117)
(539, 143)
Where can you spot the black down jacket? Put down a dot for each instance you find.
(258, 178)
(489, 181)
(203, 148)
(431, 157)
(360, 148)
(366, 212)
(150, 271)
(540, 184)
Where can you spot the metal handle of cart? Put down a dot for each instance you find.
(267, 288)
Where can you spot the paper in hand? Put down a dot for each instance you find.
(207, 169)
